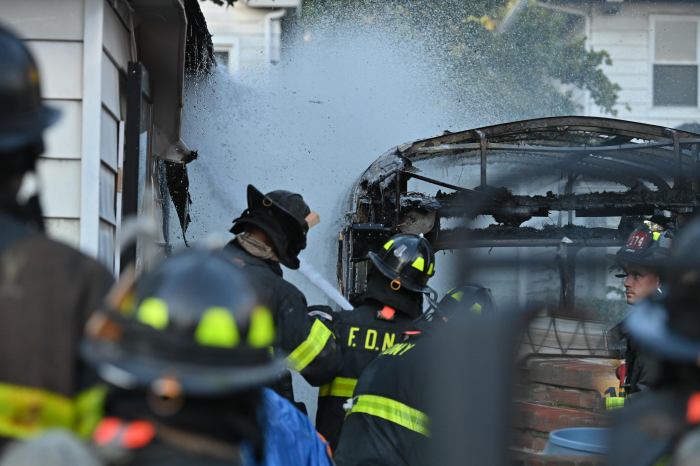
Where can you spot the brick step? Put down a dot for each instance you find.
(595, 374)
(543, 418)
(553, 395)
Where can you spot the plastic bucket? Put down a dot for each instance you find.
(578, 441)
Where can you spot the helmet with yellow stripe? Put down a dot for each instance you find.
(192, 325)
(468, 296)
(408, 261)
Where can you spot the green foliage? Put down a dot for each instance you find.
(526, 70)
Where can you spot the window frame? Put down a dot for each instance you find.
(231, 45)
(677, 110)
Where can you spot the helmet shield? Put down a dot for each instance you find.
(408, 261)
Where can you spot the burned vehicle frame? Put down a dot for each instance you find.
(656, 168)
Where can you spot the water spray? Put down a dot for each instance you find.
(321, 283)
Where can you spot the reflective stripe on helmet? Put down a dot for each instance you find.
(476, 308)
(388, 244)
(309, 348)
(431, 269)
(342, 387)
(392, 411)
(217, 327)
(419, 263)
(262, 328)
(27, 411)
(457, 296)
(154, 313)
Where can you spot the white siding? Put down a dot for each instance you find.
(108, 179)
(109, 132)
(64, 229)
(53, 30)
(110, 86)
(243, 28)
(63, 139)
(60, 64)
(44, 19)
(627, 37)
(105, 248)
(116, 38)
(60, 187)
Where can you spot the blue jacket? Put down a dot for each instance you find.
(290, 438)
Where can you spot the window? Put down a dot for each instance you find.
(222, 57)
(675, 68)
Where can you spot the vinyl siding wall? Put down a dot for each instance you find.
(55, 31)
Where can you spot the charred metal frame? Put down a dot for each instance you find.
(633, 155)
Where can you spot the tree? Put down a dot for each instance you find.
(525, 70)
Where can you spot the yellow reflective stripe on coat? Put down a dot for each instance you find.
(340, 386)
(392, 411)
(27, 411)
(309, 348)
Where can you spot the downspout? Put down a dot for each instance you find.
(274, 15)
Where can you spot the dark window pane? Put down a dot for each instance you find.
(676, 85)
(221, 57)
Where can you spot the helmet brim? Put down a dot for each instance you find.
(131, 371)
(389, 273)
(17, 132)
(648, 326)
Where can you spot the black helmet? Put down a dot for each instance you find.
(282, 215)
(193, 322)
(669, 326)
(470, 296)
(649, 245)
(23, 116)
(408, 261)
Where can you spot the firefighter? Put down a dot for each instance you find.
(186, 351)
(641, 258)
(47, 289)
(387, 422)
(473, 296)
(392, 301)
(667, 329)
(270, 232)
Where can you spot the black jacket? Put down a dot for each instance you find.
(308, 342)
(649, 429)
(398, 432)
(47, 292)
(362, 335)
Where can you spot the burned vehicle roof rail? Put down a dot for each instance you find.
(501, 185)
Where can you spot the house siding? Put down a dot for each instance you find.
(626, 36)
(55, 33)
